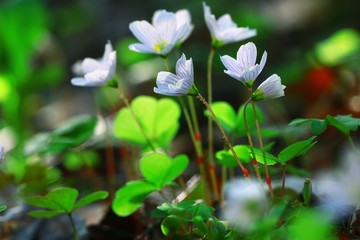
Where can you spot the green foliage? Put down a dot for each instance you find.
(3, 208)
(232, 121)
(259, 156)
(296, 149)
(344, 123)
(159, 170)
(310, 224)
(70, 134)
(76, 160)
(226, 158)
(190, 220)
(61, 201)
(158, 118)
(339, 47)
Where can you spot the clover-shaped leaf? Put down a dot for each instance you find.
(131, 196)
(159, 120)
(226, 158)
(160, 169)
(233, 121)
(61, 201)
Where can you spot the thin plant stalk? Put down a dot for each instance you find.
(268, 179)
(127, 104)
(210, 126)
(251, 143)
(226, 138)
(76, 236)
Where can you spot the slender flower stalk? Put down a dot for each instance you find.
(226, 138)
(210, 122)
(251, 143)
(267, 175)
(76, 236)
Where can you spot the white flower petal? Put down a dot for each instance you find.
(233, 74)
(231, 64)
(145, 33)
(210, 20)
(225, 22)
(97, 76)
(272, 87)
(108, 50)
(247, 55)
(89, 64)
(138, 47)
(263, 61)
(165, 25)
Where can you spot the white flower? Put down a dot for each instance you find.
(163, 35)
(224, 30)
(244, 68)
(180, 84)
(183, 17)
(246, 203)
(270, 88)
(96, 72)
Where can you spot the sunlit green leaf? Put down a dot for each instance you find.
(43, 202)
(338, 47)
(159, 120)
(296, 149)
(259, 156)
(227, 159)
(131, 196)
(225, 114)
(160, 169)
(93, 197)
(250, 119)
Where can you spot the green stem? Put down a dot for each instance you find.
(226, 138)
(210, 125)
(127, 104)
(197, 134)
(254, 161)
(210, 99)
(268, 179)
(76, 237)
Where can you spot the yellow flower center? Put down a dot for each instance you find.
(160, 46)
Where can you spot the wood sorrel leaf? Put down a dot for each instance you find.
(71, 134)
(225, 114)
(45, 213)
(296, 149)
(64, 197)
(158, 118)
(131, 196)
(160, 169)
(43, 202)
(259, 156)
(330, 120)
(92, 197)
(226, 158)
(250, 118)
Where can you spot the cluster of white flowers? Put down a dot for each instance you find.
(169, 30)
